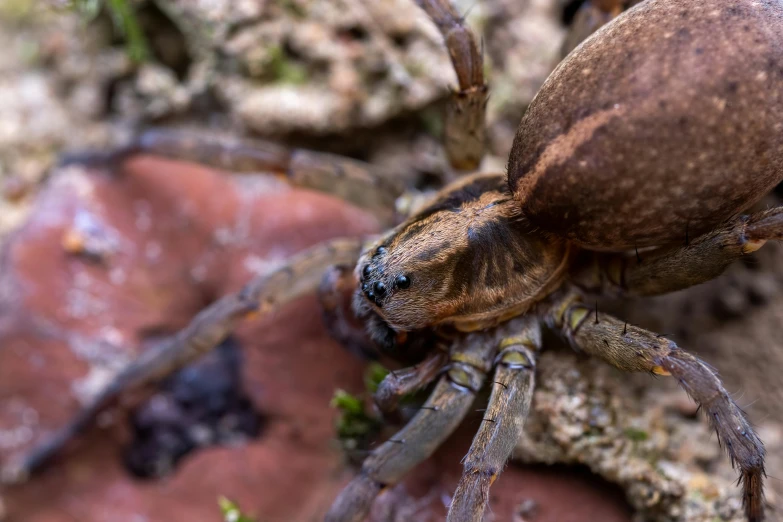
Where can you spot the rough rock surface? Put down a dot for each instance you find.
(57, 343)
(181, 234)
(291, 69)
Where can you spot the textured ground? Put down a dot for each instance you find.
(319, 74)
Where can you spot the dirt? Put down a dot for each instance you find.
(346, 76)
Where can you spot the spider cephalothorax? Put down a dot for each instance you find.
(468, 259)
(657, 132)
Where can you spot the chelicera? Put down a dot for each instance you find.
(655, 133)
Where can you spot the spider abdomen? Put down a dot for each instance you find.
(666, 122)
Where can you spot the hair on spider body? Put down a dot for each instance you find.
(468, 259)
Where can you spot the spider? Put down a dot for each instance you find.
(627, 176)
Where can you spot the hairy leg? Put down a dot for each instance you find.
(399, 383)
(464, 128)
(364, 185)
(504, 419)
(471, 357)
(696, 261)
(637, 350)
(263, 294)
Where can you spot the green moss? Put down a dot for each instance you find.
(231, 512)
(293, 7)
(124, 18)
(373, 375)
(636, 435)
(353, 422)
(346, 403)
(284, 70)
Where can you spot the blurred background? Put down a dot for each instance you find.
(252, 422)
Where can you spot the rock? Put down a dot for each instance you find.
(185, 235)
(630, 430)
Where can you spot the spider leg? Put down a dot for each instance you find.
(362, 184)
(634, 349)
(398, 383)
(464, 126)
(471, 357)
(263, 294)
(504, 419)
(670, 269)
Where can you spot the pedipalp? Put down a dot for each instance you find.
(399, 383)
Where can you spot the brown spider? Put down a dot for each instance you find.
(653, 134)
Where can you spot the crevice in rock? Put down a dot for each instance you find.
(202, 405)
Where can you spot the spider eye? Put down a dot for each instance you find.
(381, 250)
(380, 289)
(366, 270)
(402, 282)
